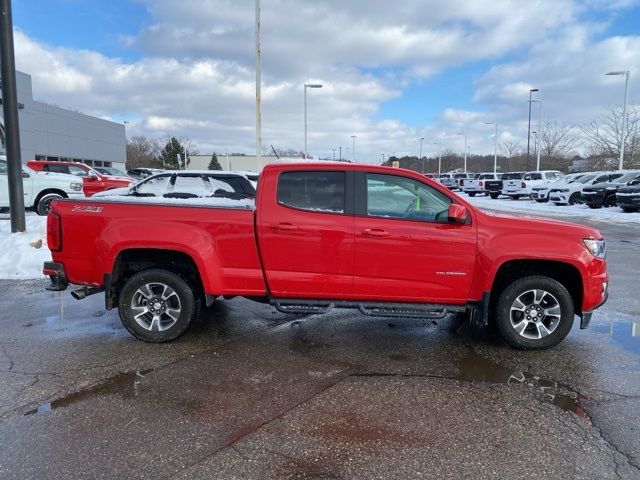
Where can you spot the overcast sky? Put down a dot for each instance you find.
(392, 71)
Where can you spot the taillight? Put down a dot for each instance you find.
(523, 185)
(481, 183)
(54, 232)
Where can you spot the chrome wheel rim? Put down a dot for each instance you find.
(535, 314)
(156, 307)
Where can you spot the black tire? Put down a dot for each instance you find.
(515, 197)
(609, 201)
(594, 206)
(574, 198)
(44, 203)
(494, 195)
(513, 291)
(629, 210)
(472, 194)
(541, 200)
(131, 293)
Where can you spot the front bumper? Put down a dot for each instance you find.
(56, 274)
(628, 200)
(540, 194)
(593, 199)
(511, 192)
(559, 197)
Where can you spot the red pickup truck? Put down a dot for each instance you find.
(386, 241)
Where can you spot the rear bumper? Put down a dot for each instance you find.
(521, 192)
(55, 272)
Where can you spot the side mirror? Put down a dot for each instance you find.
(635, 181)
(458, 213)
(25, 175)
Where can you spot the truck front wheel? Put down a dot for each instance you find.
(534, 312)
(156, 305)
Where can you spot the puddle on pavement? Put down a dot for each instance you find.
(125, 385)
(625, 334)
(476, 368)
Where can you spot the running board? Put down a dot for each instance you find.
(372, 309)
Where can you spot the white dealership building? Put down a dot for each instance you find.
(49, 132)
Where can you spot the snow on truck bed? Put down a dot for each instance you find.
(246, 203)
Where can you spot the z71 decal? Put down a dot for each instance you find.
(86, 209)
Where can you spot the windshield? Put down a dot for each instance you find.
(513, 176)
(533, 176)
(627, 177)
(585, 179)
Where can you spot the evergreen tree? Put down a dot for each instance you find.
(214, 164)
(170, 152)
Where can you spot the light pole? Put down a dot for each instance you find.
(624, 113)
(439, 157)
(334, 154)
(340, 153)
(495, 147)
(353, 150)
(421, 160)
(529, 128)
(539, 102)
(307, 85)
(258, 91)
(465, 149)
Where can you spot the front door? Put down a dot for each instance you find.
(405, 247)
(306, 234)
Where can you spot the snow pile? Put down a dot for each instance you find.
(22, 254)
(608, 215)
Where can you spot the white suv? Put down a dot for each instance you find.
(523, 188)
(40, 189)
(571, 193)
(541, 194)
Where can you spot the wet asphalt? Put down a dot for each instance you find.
(252, 393)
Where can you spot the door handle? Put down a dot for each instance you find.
(287, 227)
(375, 232)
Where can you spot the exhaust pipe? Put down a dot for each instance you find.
(84, 292)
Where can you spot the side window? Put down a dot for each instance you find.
(191, 185)
(77, 171)
(317, 191)
(154, 186)
(3, 167)
(392, 196)
(56, 168)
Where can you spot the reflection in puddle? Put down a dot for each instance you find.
(625, 334)
(476, 368)
(124, 384)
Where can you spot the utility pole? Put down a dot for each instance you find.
(529, 128)
(340, 153)
(258, 90)
(334, 154)
(11, 124)
(421, 160)
(624, 114)
(353, 151)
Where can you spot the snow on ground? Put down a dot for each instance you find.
(22, 254)
(607, 215)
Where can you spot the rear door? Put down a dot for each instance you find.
(405, 247)
(306, 234)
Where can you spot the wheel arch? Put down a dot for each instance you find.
(566, 274)
(47, 191)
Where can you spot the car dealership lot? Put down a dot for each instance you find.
(252, 393)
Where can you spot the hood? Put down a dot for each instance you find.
(542, 226)
(630, 189)
(601, 186)
(114, 192)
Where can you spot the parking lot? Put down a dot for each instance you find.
(252, 393)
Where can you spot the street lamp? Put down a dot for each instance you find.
(465, 149)
(439, 157)
(353, 150)
(624, 113)
(334, 154)
(539, 131)
(307, 85)
(258, 89)
(495, 147)
(529, 129)
(421, 160)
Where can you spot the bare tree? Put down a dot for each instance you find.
(559, 140)
(603, 134)
(143, 152)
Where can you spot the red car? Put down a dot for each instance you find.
(92, 181)
(387, 241)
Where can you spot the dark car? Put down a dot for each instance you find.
(604, 194)
(190, 184)
(493, 188)
(141, 173)
(628, 197)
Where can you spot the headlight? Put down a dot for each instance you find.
(75, 186)
(597, 248)
(131, 184)
(563, 190)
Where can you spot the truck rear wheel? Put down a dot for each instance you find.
(494, 195)
(534, 312)
(156, 305)
(44, 203)
(472, 194)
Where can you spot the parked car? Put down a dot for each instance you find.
(142, 173)
(474, 186)
(92, 181)
(40, 189)
(447, 180)
(112, 171)
(628, 197)
(604, 194)
(188, 184)
(493, 187)
(460, 178)
(374, 238)
(522, 187)
(571, 193)
(541, 193)
(251, 176)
